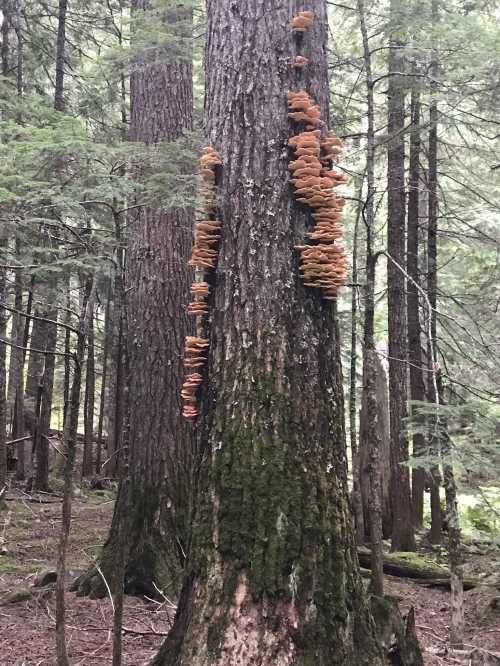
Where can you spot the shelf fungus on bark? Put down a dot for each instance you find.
(300, 62)
(204, 259)
(323, 264)
(302, 21)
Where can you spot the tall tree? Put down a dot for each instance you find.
(157, 292)
(432, 270)
(272, 576)
(417, 386)
(402, 532)
(372, 446)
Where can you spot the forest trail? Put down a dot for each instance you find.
(30, 531)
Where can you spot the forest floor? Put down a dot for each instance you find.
(28, 544)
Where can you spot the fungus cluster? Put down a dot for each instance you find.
(323, 263)
(203, 258)
(302, 21)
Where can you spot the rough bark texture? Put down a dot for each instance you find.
(273, 577)
(367, 428)
(417, 386)
(158, 281)
(402, 532)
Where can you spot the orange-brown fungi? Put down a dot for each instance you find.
(323, 264)
(204, 258)
(300, 62)
(302, 21)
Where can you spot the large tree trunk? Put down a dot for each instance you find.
(273, 577)
(402, 532)
(157, 294)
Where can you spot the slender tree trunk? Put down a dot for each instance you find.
(417, 386)
(157, 293)
(42, 449)
(60, 55)
(357, 503)
(402, 533)
(89, 402)
(3, 373)
(4, 54)
(35, 361)
(371, 446)
(67, 351)
(17, 372)
(273, 577)
(70, 448)
(104, 381)
(115, 392)
(432, 229)
(368, 430)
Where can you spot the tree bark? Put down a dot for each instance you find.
(272, 577)
(367, 428)
(16, 373)
(41, 476)
(69, 463)
(432, 230)
(357, 503)
(158, 283)
(371, 446)
(89, 404)
(60, 54)
(3, 373)
(104, 380)
(402, 532)
(417, 386)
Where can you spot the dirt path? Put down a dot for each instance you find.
(29, 533)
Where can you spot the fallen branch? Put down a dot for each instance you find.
(414, 566)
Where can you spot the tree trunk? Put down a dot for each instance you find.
(16, 372)
(357, 503)
(157, 293)
(115, 391)
(417, 386)
(104, 380)
(60, 51)
(86, 317)
(372, 446)
(402, 532)
(42, 449)
(432, 229)
(89, 404)
(367, 428)
(3, 373)
(273, 577)
(35, 361)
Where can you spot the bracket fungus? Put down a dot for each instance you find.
(302, 21)
(323, 264)
(204, 258)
